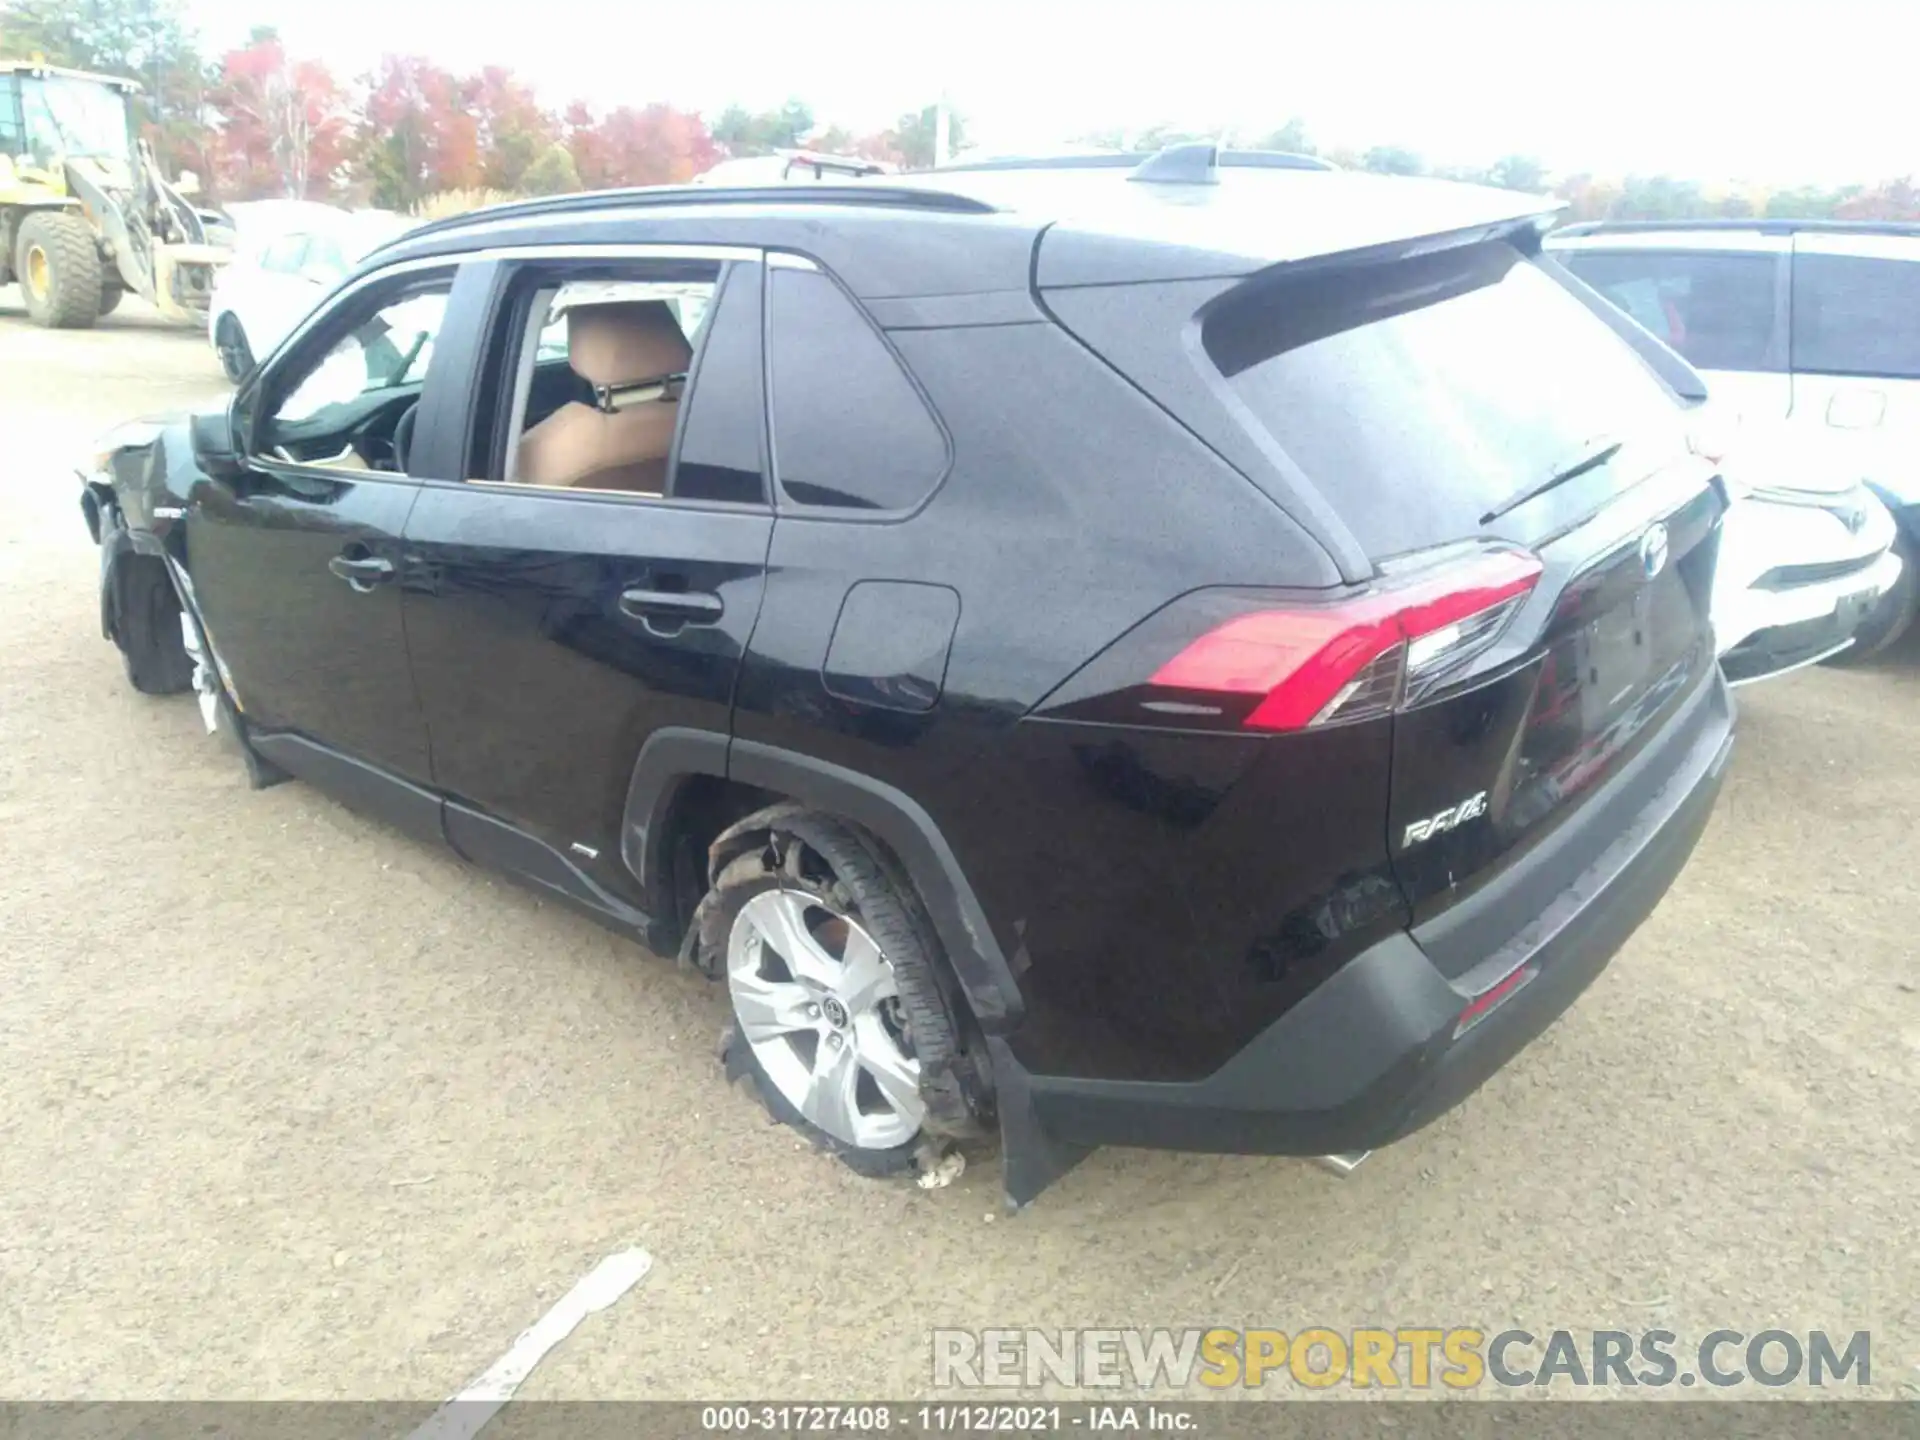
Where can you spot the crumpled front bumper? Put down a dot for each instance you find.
(1802, 570)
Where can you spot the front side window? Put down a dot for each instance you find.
(850, 431)
(1715, 309)
(1856, 315)
(345, 405)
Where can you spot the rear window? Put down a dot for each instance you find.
(1856, 315)
(1715, 309)
(1419, 395)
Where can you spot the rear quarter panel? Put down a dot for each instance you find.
(1074, 507)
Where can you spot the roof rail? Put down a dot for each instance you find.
(1767, 226)
(649, 196)
(1138, 159)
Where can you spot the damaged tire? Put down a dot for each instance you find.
(843, 1021)
(144, 621)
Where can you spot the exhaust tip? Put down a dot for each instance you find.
(1342, 1165)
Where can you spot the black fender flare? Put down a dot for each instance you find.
(674, 755)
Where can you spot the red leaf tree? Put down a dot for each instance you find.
(653, 145)
(285, 124)
(420, 135)
(511, 129)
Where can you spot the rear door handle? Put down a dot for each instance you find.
(689, 607)
(362, 573)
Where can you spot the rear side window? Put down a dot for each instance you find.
(850, 431)
(1856, 315)
(1420, 395)
(1715, 309)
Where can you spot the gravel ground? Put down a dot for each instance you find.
(294, 1107)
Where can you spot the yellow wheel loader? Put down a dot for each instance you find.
(85, 213)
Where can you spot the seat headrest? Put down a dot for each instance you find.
(626, 344)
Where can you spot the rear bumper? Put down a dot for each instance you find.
(1372, 1054)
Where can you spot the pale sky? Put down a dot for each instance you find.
(1790, 91)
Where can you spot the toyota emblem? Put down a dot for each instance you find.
(1653, 551)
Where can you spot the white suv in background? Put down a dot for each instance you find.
(1805, 330)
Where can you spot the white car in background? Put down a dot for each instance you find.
(291, 253)
(1808, 551)
(1804, 330)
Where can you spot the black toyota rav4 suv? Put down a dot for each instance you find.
(1202, 651)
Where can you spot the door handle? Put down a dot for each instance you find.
(689, 607)
(362, 573)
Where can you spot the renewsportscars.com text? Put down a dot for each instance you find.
(1416, 1358)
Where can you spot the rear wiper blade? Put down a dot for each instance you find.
(1599, 454)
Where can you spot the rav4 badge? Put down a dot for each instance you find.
(1469, 809)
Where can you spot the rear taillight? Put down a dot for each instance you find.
(1314, 665)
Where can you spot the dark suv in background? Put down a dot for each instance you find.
(1199, 651)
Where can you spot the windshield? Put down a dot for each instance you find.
(1420, 395)
(67, 117)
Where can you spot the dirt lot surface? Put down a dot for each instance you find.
(294, 1107)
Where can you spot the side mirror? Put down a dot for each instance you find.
(216, 448)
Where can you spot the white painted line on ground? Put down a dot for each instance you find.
(463, 1416)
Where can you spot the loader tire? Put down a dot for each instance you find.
(59, 269)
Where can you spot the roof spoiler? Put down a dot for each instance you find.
(1198, 162)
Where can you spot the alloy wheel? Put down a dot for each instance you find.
(817, 1002)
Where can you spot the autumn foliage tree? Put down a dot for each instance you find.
(261, 122)
(741, 132)
(284, 127)
(651, 145)
(511, 129)
(419, 136)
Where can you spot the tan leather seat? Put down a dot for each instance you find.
(626, 352)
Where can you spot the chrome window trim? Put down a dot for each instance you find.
(636, 250)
